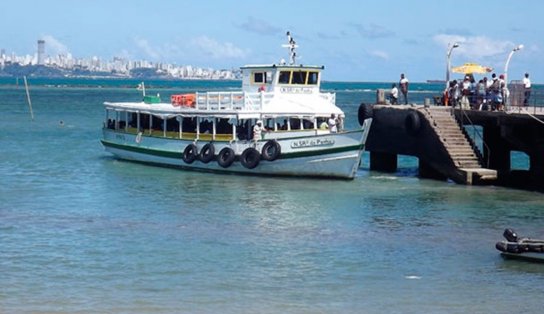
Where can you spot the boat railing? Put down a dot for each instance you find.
(232, 101)
(330, 97)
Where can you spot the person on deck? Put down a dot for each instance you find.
(258, 129)
(527, 89)
(332, 124)
(403, 83)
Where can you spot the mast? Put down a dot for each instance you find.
(291, 45)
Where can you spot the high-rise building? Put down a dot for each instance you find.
(41, 51)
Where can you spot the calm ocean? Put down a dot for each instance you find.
(82, 232)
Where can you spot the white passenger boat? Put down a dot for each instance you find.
(215, 131)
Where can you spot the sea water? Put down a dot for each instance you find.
(83, 232)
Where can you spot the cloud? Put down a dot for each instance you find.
(148, 49)
(217, 50)
(198, 49)
(321, 35)
(261, 27)
(54, 47)
(379, 54)
(412, 42)
(475, 47)
(457, 31)
(372, 31)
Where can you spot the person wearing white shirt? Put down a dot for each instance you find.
(403, 83)
(527, 88)
(332, 124)
(258, 129)
(394, 94)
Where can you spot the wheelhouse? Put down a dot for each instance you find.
(281, 78)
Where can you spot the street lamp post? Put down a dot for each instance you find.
(519, 47)
(448, 58)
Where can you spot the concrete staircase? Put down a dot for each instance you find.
(463, 156)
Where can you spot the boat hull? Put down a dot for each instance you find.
(526, 256)
(329, 155)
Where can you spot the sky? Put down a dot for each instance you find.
(356, 40)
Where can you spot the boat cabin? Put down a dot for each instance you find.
(281, 78)
(285, 97)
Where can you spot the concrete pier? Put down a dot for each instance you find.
(436, 136)
(520, 129)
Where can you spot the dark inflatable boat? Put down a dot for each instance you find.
(521, 248)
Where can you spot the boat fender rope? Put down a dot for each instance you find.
(138, 138)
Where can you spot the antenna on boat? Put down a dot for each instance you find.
(291, 45)
(28, 98)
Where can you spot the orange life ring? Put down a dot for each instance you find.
(183, 100)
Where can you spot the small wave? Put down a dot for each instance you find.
(413, 277)
(382, 177)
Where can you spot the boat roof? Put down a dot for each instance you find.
(282, 66)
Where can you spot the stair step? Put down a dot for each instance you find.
(458, 145)
(467, 161)
(460, 157)
(463, 154)
(474, 165)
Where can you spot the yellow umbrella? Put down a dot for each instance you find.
(469, 68)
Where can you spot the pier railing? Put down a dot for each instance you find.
(232, 100)
(516, 99)
(472, 139)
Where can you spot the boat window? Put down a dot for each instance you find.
(189, 124)
(259, 77)
(206, 126)
(313, 78)
(299, 77)
(284, 77)
(133, 120)
(172, 125)
(223, 126)
(262, 77)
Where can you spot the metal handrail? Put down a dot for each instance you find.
(475, 133)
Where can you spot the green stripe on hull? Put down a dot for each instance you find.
(143, 150)
(170, 154)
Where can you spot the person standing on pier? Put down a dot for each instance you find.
(527, 89)
(404, 87)
(394, 94)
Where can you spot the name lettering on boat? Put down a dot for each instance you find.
(312, 143)
(296, 90)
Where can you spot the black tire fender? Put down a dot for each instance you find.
(189, 154)
(365, 112)
(207, 153)
(271, 150)
(226, 157)
(250, 158)
(412, 123)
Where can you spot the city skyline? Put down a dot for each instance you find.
(116, 67)
(354, 40)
